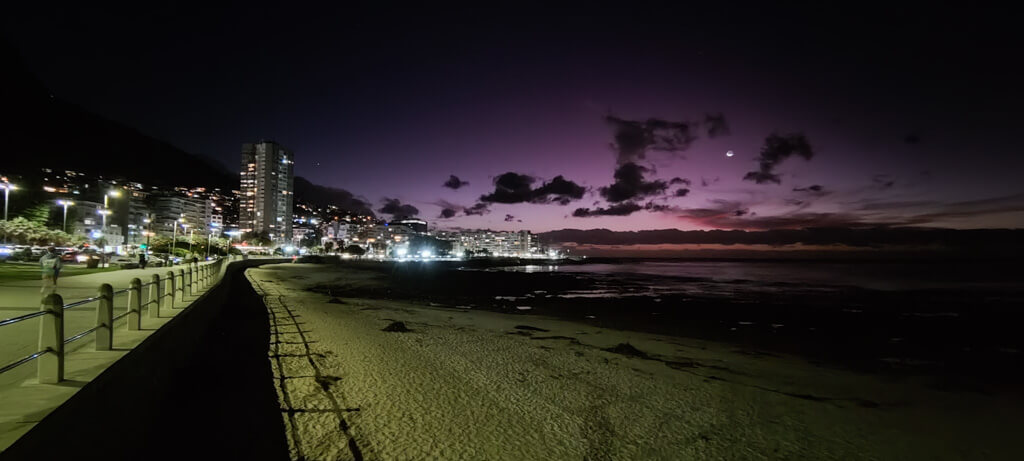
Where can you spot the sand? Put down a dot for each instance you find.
(469, 384)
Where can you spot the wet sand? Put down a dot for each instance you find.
(471, 384)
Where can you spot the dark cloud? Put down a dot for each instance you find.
(659, 208)
(715, 125)
(814, 190)
(454, 182)
(776, 149)
(811, 188)
(518, 188)
(634, 138)
(395, 208)
(559, 190)
(705, 182)
(620, 209)
(883, 181)
(509, 218)
(678, 180)
(477, 209)
(630, 184)
(682, 192)
(449, 209)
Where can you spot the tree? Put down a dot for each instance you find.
(25, 232)
(355, 250)
(310, 240)
(328, 246)
(260, 239)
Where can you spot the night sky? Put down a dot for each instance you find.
(835, 117)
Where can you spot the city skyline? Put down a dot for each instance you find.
(908, 130)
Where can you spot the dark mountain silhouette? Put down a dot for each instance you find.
(41, 131)
(322, 196)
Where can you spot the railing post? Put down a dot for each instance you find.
(134, 304)
(51, 339)
(189, 283)
(155, 297)
(181, 288)
(105, 318)
(170, 288)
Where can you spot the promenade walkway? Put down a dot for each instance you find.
(23, 401)
(205, 375)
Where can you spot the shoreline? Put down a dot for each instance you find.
(913, 332)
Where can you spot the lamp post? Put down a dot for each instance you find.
(174, 238)
(209, 239)
(191, 232)
(7, 194)
(104, 212)
(66, 204)
(8, 187)
(231, 237)
(106, 207)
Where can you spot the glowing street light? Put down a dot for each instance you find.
(103, 212)
(106, 206)
(66, 204)
(8, 187)
(7, 192)
(209, 238)
(174, 233)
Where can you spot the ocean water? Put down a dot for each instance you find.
(729, 276)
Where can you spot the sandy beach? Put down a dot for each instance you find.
(468, 384)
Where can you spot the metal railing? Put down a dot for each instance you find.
(163, 291)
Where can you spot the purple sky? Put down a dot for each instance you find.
(387, 105)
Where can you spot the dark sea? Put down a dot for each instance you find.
(655, 277)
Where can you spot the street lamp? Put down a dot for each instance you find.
(111, 193)
(103, 212)
(106, 206)
(8, 187)
(66, 204)
(174, 239)
(149, 231)
(190, 233)
(7, 192)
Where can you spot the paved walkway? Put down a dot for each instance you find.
(20, 297)
(199, 388)
(24, 402)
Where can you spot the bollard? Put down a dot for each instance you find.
(156, 297)
(170, 288)
(105, 318)
(51, 340)
(134, 304)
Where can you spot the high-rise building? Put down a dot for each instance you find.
(267, 189)
(186, 212)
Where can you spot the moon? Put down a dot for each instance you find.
(729, 154)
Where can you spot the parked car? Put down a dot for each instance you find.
(125, 262)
